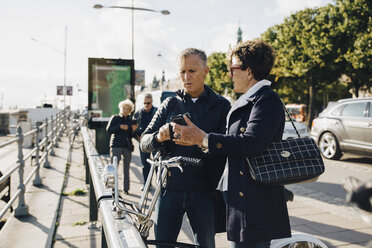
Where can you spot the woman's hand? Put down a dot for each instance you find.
(124, 126)
(134, 127)
(187, 135)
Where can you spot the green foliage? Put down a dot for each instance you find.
(358, 28)
(80, 223)
(218, 78)
(315, 47)
(75, 192)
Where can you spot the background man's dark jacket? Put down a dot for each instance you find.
(142, 125)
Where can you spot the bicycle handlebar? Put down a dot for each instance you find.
(177, 161)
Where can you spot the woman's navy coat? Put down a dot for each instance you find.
(254, 212)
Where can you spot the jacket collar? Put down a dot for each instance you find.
(257, 93)
(208, 94)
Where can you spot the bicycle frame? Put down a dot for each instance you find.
(142, 221)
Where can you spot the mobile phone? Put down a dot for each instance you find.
(179, 119)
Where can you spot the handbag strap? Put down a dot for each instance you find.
(286, 110)
(289, 116)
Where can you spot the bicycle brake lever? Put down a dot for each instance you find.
(180, 167)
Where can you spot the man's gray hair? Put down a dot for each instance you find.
(193, 51)
(148, 95)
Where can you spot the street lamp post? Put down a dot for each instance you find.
(164, 12)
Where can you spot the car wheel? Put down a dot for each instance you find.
(329, 146)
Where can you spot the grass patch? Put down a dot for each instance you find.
(80, 223)
(75, 192)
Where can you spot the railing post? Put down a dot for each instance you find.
(93, 208)
(52, 153)
(86, 163)
(55, 136)
(37, 180)
(46, 163)
(103, 238)
(22, 208)
(59, 115)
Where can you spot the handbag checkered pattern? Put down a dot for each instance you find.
(287, 161)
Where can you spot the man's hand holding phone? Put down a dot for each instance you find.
(189, 134)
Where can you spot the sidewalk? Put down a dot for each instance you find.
(36, 229)
(331, 222)
(322, 220)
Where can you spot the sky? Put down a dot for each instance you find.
(32, 39)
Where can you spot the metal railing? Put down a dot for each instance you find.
(116, 232)
(46, 136)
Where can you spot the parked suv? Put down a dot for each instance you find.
(344, 126)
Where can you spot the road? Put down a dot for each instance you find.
(336, 171)
(328, 192)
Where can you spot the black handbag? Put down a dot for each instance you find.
(287, 161)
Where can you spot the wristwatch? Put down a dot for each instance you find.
(204, 145)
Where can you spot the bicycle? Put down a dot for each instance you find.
(142, 219)
(75, 140)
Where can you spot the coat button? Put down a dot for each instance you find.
(241, 194)
(241, 173)
(242, 129)
(219, 145)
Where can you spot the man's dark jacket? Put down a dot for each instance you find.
(142, 125)
(254, 212)
(209, 114)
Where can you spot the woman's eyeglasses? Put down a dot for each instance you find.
(232, 68)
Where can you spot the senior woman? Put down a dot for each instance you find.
(121, 128)
(256, 214)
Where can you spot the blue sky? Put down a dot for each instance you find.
(30, 71)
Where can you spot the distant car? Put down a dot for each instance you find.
(289, 131)
(297, 111)
(344, 126)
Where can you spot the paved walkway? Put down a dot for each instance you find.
(67, 214)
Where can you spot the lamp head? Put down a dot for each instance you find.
(165, 12)
(98, 6)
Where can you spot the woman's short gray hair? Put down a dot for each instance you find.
(126, 102)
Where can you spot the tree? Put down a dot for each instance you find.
(356, 24)
(305, 47)
(218, 78)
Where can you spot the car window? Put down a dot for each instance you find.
(354, 109)
(337, 111)
(370, 109)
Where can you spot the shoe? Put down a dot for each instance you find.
(126, 192)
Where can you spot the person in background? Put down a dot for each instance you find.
(194, 191)
(143, 117)
(256, 214)
(120, 127)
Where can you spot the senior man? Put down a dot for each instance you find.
(193, 191)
